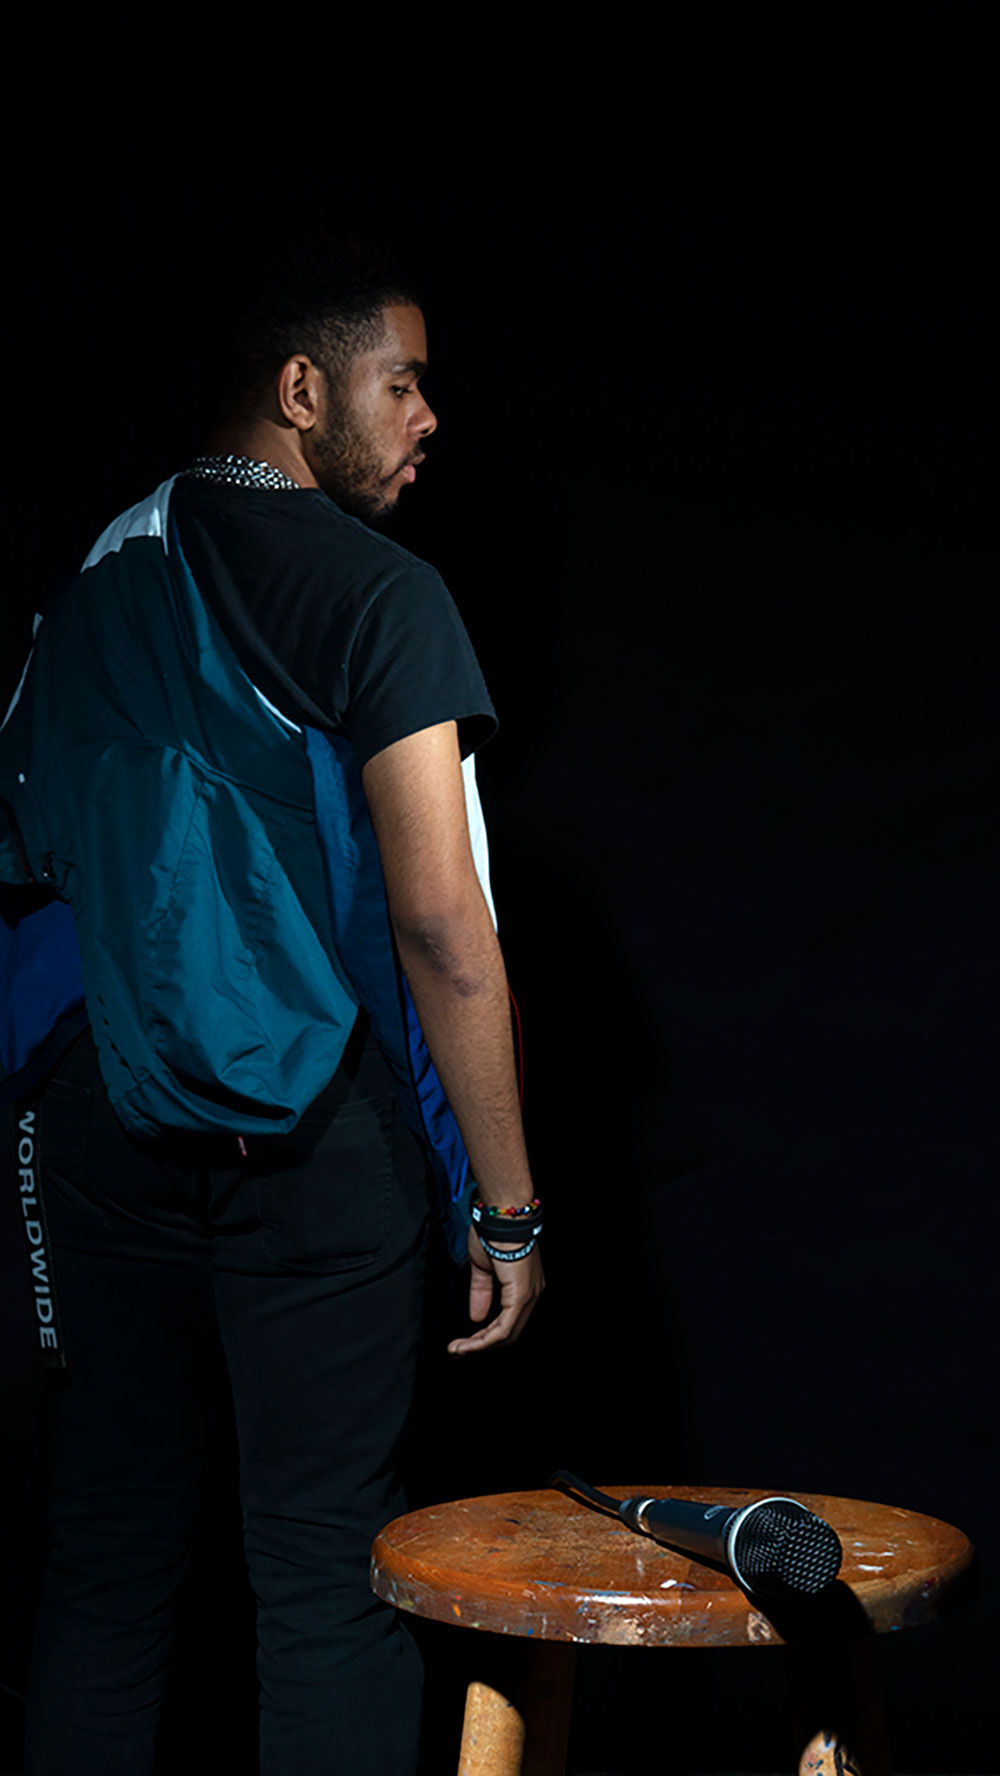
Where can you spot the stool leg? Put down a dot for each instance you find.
(492, 1734)
(836, 1690)
(546, 1699)
(827, 1755)
(517, 1722)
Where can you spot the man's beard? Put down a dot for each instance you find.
(349, 470)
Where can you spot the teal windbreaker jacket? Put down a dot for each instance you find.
(193, 873)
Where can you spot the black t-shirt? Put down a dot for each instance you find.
(338, 626)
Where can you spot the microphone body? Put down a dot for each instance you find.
(773, 1545)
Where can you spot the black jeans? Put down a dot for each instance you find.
(306, 1257)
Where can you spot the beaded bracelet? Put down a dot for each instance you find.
(531, 1208)
(508, 1225)
(507, 1257)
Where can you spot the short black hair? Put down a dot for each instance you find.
(294, 281)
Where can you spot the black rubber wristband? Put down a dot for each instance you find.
(508, 1257)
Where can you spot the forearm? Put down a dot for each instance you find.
(456, 975)
(449, 950)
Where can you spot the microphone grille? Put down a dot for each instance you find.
(783, 1547)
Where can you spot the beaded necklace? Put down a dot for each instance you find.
(238, 471)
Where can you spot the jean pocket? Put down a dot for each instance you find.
(329, 1211)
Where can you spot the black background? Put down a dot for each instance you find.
(710, 490)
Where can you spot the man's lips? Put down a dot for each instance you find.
(407, 471)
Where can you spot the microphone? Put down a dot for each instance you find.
(774, 1546)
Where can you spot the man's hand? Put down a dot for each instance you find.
(521, 1283)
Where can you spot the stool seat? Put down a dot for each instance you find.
(540, 1568)
(541, 1564)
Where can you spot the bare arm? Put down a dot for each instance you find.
(452, 961)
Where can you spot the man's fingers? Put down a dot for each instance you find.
(518, 1295)
(481, 1284)
(507, 1326)
(503, 1330)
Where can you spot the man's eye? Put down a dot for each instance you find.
(399, 389)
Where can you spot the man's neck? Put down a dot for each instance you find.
(263, 442)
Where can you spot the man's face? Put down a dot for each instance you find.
(369, 438)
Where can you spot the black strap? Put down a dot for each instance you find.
(41, 1272)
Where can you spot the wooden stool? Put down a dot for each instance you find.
(541, 1565)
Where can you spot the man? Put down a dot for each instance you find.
(241, 755)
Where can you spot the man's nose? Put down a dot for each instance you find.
(424, 420)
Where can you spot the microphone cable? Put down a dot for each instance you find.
(564, 1481)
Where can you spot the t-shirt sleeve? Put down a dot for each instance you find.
(412, 665)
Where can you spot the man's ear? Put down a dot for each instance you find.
(300, 391)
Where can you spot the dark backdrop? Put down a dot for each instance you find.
(709, 490)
